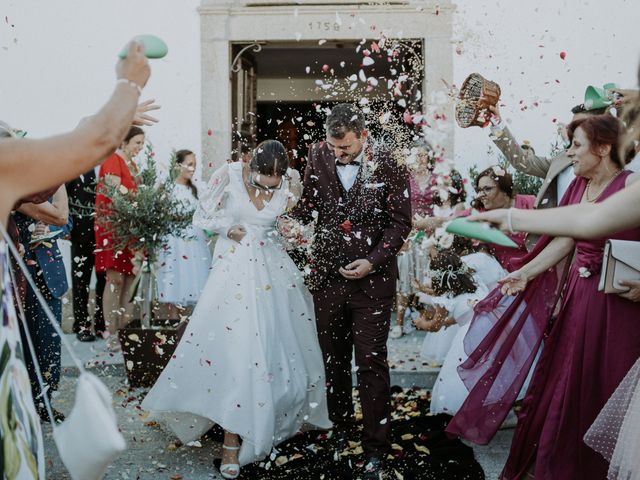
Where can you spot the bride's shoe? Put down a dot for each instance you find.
(230, 470)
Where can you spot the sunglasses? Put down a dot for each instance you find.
(259, 186)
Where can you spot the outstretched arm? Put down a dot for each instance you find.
(585, 220)
(521, 159)
(63, 157)
(553, 253)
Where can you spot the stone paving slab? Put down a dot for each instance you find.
(152, 453)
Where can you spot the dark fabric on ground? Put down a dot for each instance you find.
(421, 450)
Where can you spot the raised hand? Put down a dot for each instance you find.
(135, 66)
(141, 119)
(514, 283)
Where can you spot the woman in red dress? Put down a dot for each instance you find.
(118, 169)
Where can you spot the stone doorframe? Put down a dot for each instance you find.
(224, 22)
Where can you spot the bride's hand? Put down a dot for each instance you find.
(237, 233)
(514, 283)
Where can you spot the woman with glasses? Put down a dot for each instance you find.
(249, 359)
(495, 190)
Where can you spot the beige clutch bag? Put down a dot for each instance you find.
(621, 262)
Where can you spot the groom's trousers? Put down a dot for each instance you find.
(347, 318)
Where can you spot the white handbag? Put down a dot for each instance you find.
(89, 439)
(621, 261)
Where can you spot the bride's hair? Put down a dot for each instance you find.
(270, 158)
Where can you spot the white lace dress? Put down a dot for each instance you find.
(249, 359)
(183, 264)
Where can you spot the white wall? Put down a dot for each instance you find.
(60, 66)
(518, 43)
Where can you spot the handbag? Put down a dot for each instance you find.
(621, 261)
(89, 439)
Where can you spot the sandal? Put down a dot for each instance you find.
(230, 470)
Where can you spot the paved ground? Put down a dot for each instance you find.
(152, 453)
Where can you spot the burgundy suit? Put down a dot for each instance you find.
(369, 221)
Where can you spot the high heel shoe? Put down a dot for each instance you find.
(226, 469)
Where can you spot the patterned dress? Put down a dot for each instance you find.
(20, 433)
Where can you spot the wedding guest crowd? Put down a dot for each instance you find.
(529, 323)
(28, 167)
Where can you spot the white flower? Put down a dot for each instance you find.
(498, 171)
(584, 272)
(446, 241)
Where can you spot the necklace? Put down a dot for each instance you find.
(586, 193)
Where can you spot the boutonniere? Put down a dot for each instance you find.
(584, 272)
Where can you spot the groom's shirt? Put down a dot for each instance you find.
(371, 222)
(347, 173)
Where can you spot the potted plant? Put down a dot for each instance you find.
(142, 221)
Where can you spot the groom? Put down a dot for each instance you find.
(358, 196)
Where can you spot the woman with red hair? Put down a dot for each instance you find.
(588, 347)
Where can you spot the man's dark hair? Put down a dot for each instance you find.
(344, 118)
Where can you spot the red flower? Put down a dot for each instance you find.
(346, 226)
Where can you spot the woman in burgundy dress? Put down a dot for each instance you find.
(495, 190)
(588, 348)
(118, 169)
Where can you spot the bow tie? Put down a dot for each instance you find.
(355, 164)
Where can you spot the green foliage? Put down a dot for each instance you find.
(142, 220)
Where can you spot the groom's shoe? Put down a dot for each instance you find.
(373, 469)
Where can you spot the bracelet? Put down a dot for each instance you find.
(131, 83)
(509, 220)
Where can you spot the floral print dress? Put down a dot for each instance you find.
(21, 447)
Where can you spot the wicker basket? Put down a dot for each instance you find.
(476, 95)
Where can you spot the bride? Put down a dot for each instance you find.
(249, 359)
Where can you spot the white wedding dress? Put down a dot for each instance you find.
(249, 359)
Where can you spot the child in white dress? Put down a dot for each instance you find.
(184, 262)
(457, 283)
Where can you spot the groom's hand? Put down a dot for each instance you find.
(357, 269)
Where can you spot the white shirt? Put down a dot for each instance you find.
(565, 177)
(347, 173)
